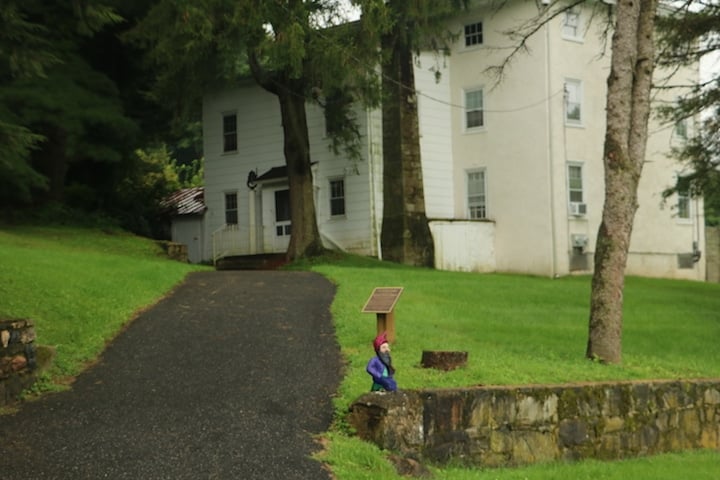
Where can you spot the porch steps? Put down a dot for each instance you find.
(265, 261)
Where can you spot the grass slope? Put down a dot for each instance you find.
(80, 286)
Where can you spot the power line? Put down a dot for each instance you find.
(363, 64)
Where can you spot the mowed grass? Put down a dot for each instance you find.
(79, 287)
(519, 330)
(352, 459)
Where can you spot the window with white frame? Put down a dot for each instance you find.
(683, 205)
(573, 102)
(571, 25)
(474, 117)
(231, 209)
(575, 183)
(337, 197)
(681, 129)
(681, 125)
(230, 132)
(473, 34)
(476, 198)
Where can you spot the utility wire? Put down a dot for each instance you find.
(363, 64)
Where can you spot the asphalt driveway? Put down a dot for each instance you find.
(229, 377)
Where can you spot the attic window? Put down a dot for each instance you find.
(230, 132)
(473, 34)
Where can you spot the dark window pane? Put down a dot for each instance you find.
(282, 205)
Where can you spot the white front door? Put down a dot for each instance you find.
(276, 218)
(282, 220)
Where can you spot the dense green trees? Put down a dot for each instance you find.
(63, 113)
(74, 110)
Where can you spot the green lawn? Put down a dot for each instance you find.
(519, 329)
(81, 286)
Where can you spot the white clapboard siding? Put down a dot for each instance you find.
(435, 115)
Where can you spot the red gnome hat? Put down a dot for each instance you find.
(379, 340)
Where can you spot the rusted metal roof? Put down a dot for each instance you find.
(187, 201)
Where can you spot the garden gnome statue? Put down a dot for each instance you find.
(380, 366)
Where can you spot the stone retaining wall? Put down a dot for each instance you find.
(174, 251)
(519, 425)
(17, 358)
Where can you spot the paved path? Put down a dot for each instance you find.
(227, 378)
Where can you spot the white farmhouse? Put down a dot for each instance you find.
(513, 172)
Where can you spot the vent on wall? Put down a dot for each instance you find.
(579, 261)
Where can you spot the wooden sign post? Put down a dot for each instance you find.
(382, 302)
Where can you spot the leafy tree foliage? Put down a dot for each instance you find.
(74, 109)
(24, 53)
(153, 176)
(690, 32)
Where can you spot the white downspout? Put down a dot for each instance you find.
(551, 170)
(252, 224)
(375, 231)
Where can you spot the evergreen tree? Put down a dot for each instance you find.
(24, 53)
(689, 33)
(61, 121)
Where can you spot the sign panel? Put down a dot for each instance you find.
(382, 300)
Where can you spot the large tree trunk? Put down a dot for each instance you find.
(305, 238)
(406, 236)
(628, 109)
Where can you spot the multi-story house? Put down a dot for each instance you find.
(513, 171)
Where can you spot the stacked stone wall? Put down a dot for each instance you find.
(17, 358)
(520, 425)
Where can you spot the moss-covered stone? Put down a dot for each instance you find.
(503, 426)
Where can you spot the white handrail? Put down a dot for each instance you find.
(226, 241)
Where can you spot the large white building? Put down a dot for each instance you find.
(513, 172)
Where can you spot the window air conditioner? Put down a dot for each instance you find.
(578, 209)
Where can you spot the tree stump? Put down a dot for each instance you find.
(443, 360)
